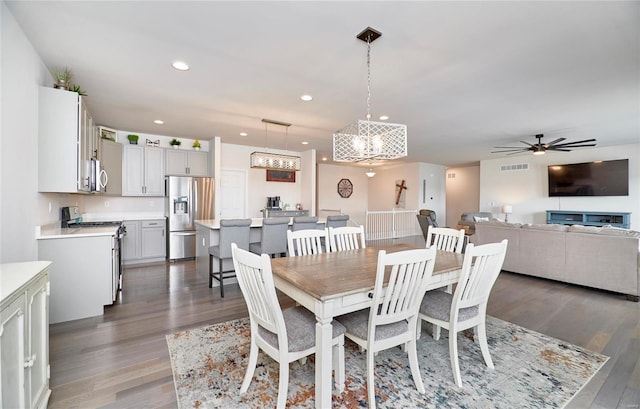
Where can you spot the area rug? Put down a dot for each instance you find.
(532, 370)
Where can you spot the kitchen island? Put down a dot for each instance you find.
(208, 234)
(84, 274)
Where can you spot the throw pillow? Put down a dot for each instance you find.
(480, 219)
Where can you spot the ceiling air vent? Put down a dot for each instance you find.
(451, 175)
(515, 166)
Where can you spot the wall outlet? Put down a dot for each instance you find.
(50, 207)
(106, 203)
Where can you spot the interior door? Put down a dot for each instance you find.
(233, 194)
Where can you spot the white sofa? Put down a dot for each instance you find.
(607, 258)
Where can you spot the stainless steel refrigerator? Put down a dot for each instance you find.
(187, 199)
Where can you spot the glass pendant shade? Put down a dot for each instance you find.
(369, 140)
(274, 161)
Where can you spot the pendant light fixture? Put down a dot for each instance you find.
(370, 173)
(274, 161)
(366, 139)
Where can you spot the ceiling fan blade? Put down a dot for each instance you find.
(511, 150)
(559, 149)
(576, 142)
(554, 142)
(574, 146)
(527, 143)
(509, 147)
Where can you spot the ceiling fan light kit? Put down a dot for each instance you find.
(539, 148)
(366, 139)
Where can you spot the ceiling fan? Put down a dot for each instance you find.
(539, 148)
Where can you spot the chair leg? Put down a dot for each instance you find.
(453, 355)
(371, 388)
(284, 383)
(436, 332)
(221, 280)
(338, 364)
(210, 271)
(484, 347)
(415, 368)
(251, 366)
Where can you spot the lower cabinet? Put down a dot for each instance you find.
(145, 241)
(24, 337)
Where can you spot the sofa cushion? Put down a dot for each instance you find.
(552, 227)
(617, 231)
(578, 228)
(480, 219)
(498, 223)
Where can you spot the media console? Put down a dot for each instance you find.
(615, 219)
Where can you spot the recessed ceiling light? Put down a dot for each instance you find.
(306, 97)
(180, 65)
(324, 158)
(305, 143)
(243, 134)
(384, 117)
(158, 121)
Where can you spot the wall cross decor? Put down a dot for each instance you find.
(400, 188)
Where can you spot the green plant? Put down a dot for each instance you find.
(196, 144)
(175, 142)
(76, 88)
(133, 138)
(63, 75)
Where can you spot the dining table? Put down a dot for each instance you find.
(337, 283)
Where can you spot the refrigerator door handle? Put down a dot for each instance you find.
(194, 200)
(183, 233)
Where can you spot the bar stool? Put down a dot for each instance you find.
(273, 237)
(231, 231)
(306, 223)
(337, 220)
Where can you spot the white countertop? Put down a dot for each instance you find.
(15, 275)
(100, 217)
(214, 224)
(57, 232)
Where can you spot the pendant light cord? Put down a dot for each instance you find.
(368, 78)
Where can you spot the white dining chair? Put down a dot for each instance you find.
(444, 238)
(467, 307)
(285, 336)
(303, 242)
(394, 312)
(346, 238)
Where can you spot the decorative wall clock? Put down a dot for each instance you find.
(345, 188)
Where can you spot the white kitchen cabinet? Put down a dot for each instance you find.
(187, 163)
(145, 241)
(24, 335)
(143, 171)
(67, 140)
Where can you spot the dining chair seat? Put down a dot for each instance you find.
(438, 305)
(301, 329)
(358, 324)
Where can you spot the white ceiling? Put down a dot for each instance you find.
(463, 76)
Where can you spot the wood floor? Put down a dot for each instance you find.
(120, 360)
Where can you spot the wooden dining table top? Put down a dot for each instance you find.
(331, 275)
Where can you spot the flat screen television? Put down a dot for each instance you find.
(598, 178)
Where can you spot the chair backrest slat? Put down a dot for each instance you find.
(304, 242)
(445, 239)
(346, 238)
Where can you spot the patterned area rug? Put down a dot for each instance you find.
(532, 370)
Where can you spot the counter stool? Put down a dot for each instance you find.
(337, 220)
(306, 223)
(273, 237)
(231, 231)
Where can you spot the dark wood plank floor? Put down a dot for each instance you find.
(120, 360)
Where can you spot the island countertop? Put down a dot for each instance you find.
(214, 224)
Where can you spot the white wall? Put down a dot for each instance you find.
(463, 192)
(432, 191)
(22, 208)
(329, 199)
(237, 157)
(527, 190)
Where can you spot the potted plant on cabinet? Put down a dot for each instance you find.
(196, 145)
(63, 78)
(133, 139)
(175, 143)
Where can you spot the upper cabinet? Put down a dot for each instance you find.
(143, 171)
(111, 160)
(67, 141)
(187, 163)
